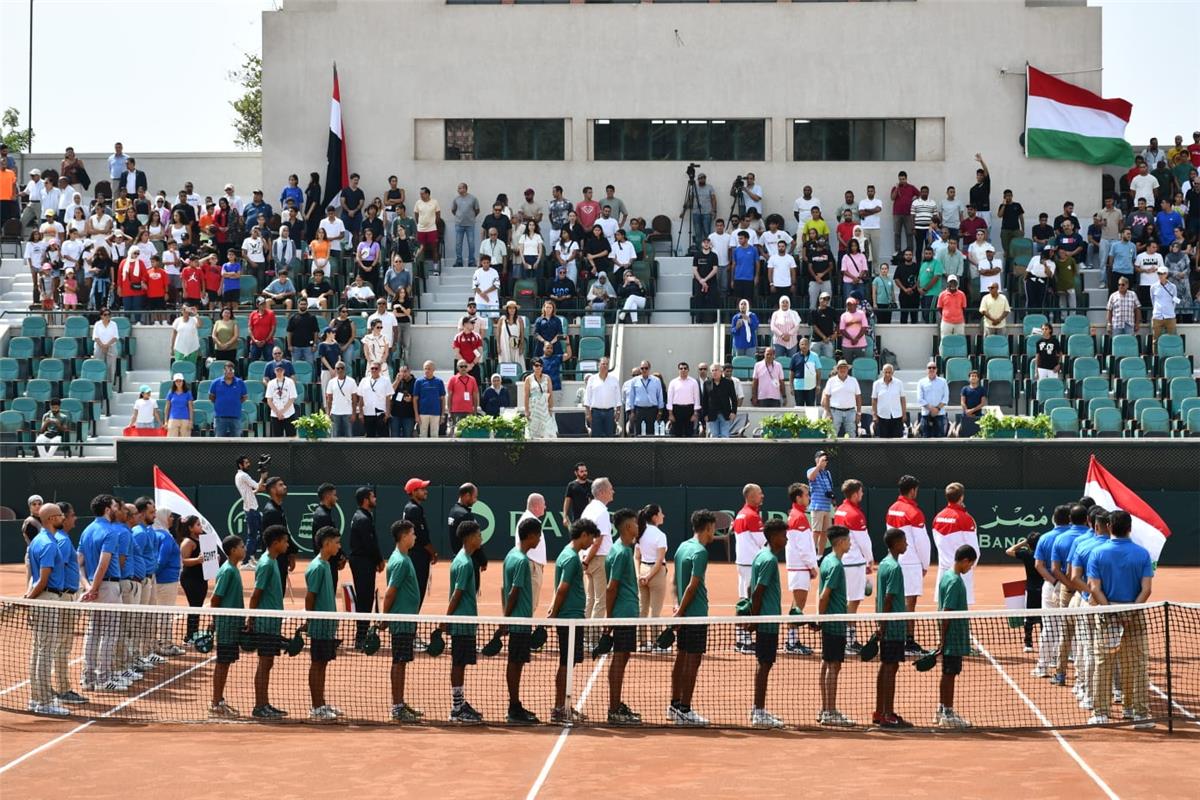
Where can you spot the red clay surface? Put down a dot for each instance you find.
(122, 757)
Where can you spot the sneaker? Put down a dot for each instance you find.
(797, 649)
(900, 722)
(337, 712)
(660, 651)
(522, 716)
(1126, 714)
(420, 645)
(761, 718)
(690, 717)
(1143, 722)
(466, 715)
(52, 709)
(645, 647)
(112, 685)
(911, 648)
(172, 650)
(322, 714)
(624, 716)
(853, 648)
(264, 712)
(250, 563)
(155, 658)
(71, 698)
(1039, 672)
(278, 711)
(402, 713)
(745, 648)
(1059, 679)
(131, 675)
(674, 713)
(1086, 704)
(1118, 697)
(834, 719)
(223, 710)
(1097, 719)
(567, 717)
(1028, 648)
(948, 719)
(144, 664)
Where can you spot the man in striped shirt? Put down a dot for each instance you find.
(906, 515)
(820, 501)
(923, 209)
(1124, 312)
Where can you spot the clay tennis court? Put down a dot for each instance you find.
(205, 760)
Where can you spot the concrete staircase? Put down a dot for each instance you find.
(673, 290)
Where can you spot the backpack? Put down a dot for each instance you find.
(888, 357)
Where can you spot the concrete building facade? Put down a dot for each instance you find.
(923, 82)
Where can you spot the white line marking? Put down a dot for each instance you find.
(16, 686)
(1066, 746)
(562, 737)
(79, 728)
(1181, 709)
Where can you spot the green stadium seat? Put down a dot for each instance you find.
(40, 390)
(1033, 323)
(248, 290)
(1137, 388)
(1176, 367)
(1169, 344)
(1131, 367)
(591, 348)
(1097, 403)
(23, 349)
(1057, 404)
(1121, 346)
(1093, 387)
(1064, 422)
(953, 346)
(865, 369)
(1187, 405)
(995, 346)
(1020, 251)
(1154, 421)
(1080, 345)
(78, 328)
(35, 329)
(1142, 403)
(1048, 388)
(1107, 422)
(88, 393)
(255, 371)
(77, 412)
(828, 365)
(1075, 325)
(14, 434)
(185, 368)
(202, 417)
(743, 367)
(304, 372)
(28, 408)
(1001, 388)
(1178, 390)
(1191, 422)
(53, 370)
(1083, 368)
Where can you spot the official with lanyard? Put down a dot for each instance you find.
(644, 401)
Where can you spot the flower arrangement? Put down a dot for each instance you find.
(796, 426)
(314, 426)
(994, 426)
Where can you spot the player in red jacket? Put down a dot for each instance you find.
(906, 515)
(952, 528)
(859, 561)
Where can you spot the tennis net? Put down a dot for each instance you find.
(1132, 665)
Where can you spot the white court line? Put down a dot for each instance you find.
(1181, 709)
(562, 737)
(79, 728)
(16, 686)
(1066, 746)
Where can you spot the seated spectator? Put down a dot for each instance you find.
(623, 254)
(360, 295)
(277, 361)
(744, 330)
(842, 400)
(600, 293)
(54, 428)
(824, 326)
(145, 410)
(494, 398)
(973, 399)
(633, 293)
(596, 251)
(785, 328)
(281, 291)
(262, 330)
(185, 335)
(180, 410)
(563, 289)
(933, 393)
(319, 291)
(994, 310)
(767, 389)
(952, 304)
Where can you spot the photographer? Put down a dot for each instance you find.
(249, 488)
(820, 507)
(704, 205)
(752, 194)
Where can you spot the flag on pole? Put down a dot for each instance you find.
(167, 495)
(337, 174)
(1149, 530)
(1014, 594)
(1066, 122)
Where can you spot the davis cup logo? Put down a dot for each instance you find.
(301, 534)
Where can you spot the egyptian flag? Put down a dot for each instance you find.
(337, 174)
(1014, 595)
(1149, 530)
(169, 496)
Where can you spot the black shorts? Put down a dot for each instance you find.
(766, 646)
(518, 647)
(227, 653)
(951, 665)
(462, 650)
(891, 651)
(402, 647)
(833, 647)
(693, 639)
(232, 296)
(268, 645)
(323, 650)
(563, 634)
(624, 638)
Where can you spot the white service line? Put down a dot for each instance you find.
(1066, 746)
(562, 737)
(1181, 709)
(16, 686)
(79, 728)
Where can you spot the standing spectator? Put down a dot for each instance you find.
(1012, 221)
(262, 330)
(744, 330)
(706, 293)
(930, 281)
(463, 392)
(720, 404)
(486, 287)
(842, 400)
(602, 401)
(819, 263)
(104, 342)
(342, 402)
(824, 326)
(971, 225)
(933, 393)
(1122, 312)
(428, 214)
(683, 402)
(577, 495)
(855, 269)
(991, 270)
(889, 406)
(973, 398)
(1038, 275)
(785, 328)
(145, 410)
(994, 310)
(1144, 186)
(281, 396)
(403, 416)
(185, 335)
(1049, 354)
(643, 401)
(493, 399)
(883, 294)
(909, 288)
(744, 265)
(806, 374)
(903, 194)
(587, 209)
(227, 396)
(952, 304)
(548, 329)
(923, 209)
(951, 212)
(429, 403)
(180, 408)
(468, 347)
(465, 210)
(132, 280)
(352, 202)
(1164, 296)
(615, 205)
(723, 242)
(302, 333)
(538, 401)
(1066, 269)
(375, 401)
(767, 389)
(870, 214)
(557, 210)
(703, 210)
(376, 346)
(854, 329)
(980, 194)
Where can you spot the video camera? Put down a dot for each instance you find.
(263, 461)
(739, 183)
(691, 171)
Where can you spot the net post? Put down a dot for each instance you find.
(1167, 647)
(569, 697)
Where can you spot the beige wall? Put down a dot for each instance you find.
(208, 172)
(424, 61)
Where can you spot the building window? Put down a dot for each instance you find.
(505, 140)
(679, 139)
(854, 139)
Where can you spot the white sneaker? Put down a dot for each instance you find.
(1097, 719)
(835, 719)
(52, 709)
(114, 684)
(1142, 722)
(948, 719)
(1039, 672)
(252, 564)
(322, 714)
(155, 658)
(690, 717)
(223, 710)
(761, 718)
(144, 664)
(1086, 704)
(1118, 697)
(337, 712)
(130, 675)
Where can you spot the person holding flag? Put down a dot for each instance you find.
(954, 527)
(1147, 527)
(859, 560)
(748, 532)
(906, 515)
(801, 559)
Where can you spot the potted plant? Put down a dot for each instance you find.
(474, 426)
(791, 425)
(314, 426)
(509, 427)
(995, 426)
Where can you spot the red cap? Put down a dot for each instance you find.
(414, 484)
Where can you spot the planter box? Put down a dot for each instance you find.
(313, 436)
(505, 434)
(777, 434)
(473, 434)
(1019, 433)
(810, 435)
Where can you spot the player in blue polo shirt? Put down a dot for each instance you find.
(1060, 569)
(1121, 571)
(145, 555)
(166, 587)
(1043, 555)
(47, 574)
(67, 615)
(131, 593)
(1085, 631)
(99, 544)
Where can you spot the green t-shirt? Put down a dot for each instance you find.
(516, 573)
(691, 560)
(318, 579)
(952, 596)
(402, 576)
(568, 568)
(891, 584)
(266, 579)
(927, 271)
(462, 576)
(833, 577)
(619, 565)
(764, 571)
(229, 589)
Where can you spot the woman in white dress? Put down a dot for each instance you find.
(539, 404)
(511, 335)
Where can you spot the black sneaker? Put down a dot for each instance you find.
(466, 715)
(853, 648)
(278, 711)
(522, 716)
(264, 712)
(911, 648)
(624, 715)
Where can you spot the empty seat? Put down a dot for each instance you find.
(1176, 367)
(1154, 421)
(1064, 422)
(953, 346)
(1107, 422)
(1076, 325)
(1034, 323)
(1080, 344)
(865, 369)
(995, 346)
(1131, 367)
(1178, 390)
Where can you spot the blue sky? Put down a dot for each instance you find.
(214, 34)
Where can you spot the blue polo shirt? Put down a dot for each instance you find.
(227, 397)
(125, 548)
(1044, 551)
(745, 263)
(429, 393)
(43, 554)
(819, 489)
(145, 549)
(1167, 222)
(231, 284)
(1123, 253)
(1081, 552)
(100, 537)
(1120, 564)
(70, 562)
(169, 559)
(1063, 542)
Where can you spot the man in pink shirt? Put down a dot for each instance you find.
(853, 327)
(903, 194)
(767, 390)
(683, 402)
(587, 209)
(951, 303)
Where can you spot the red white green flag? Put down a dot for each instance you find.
(1149, 530)
(1066, 122)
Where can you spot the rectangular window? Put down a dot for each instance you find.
(505, 140)
(854, 139)
(679, 139)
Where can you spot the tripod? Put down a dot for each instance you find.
(689, 203)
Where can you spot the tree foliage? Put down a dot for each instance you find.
(247, 123)
(13, 133)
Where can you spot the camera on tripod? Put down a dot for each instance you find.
(691, 171)
(739, 183)
(263, 461)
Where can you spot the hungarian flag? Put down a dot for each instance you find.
(169, 496)
(337, 174)
(1066, 122)
(1149, 530)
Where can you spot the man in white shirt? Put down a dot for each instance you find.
(781, 267)
(608, 225)
(535, 508)
(1144, 186)
(977, 251)
(233, 198)
(889, 406)
(991, 269)
(375, 392)
(387, 319)
(342, 402)
(594, 557)
(842, 401)
(1146, 265)
(495, 250)
(721, 241)
(281, 397)
(602, 401)
(334, 229)
(683, 402)
(752, 194)
(870, 212)
(254, 251)
(951, 211)
(35, 191)
(802, 208)
(486, 287)
(248, 488)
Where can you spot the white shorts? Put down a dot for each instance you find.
(799, 579)
(744, 581)
(856, 582)
(914, 580)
